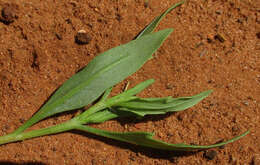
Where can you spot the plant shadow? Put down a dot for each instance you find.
(150, 152)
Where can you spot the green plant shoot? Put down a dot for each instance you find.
(96, 80)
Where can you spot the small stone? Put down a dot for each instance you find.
(82, 38)
(9, 13)
(169, 86)
(246, 103)
(218, 12)
(210, 155)
(220, 38)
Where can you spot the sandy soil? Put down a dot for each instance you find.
(215, 45)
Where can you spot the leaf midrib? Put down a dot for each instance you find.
(84, 83)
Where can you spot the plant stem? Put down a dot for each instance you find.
(66, 126)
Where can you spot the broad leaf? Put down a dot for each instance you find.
(101, 73)
(148, 30)
(147, 140)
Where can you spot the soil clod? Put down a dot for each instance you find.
(210, 155)
(82, 38)
(9, 13)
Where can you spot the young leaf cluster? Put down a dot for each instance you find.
(96, 80)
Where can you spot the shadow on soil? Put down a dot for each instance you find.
(27, 163)
(150, 152)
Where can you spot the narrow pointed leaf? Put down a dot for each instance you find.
(101, 116)
(101, 73)
(143, 107)
(147, 140)
(151, 27)
(107, 114)
(130, 92)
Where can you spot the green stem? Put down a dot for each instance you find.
(95, 108)
(66, 126)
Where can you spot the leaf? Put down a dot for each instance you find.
(107, 114)
(126, 96)
(101, 116)
(150, 28)
(146, 106)
(101, 73)
(129, 93)
(153, 106)
(146, 139)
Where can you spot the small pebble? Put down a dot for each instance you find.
(9, 13)
(82, 38)
(169, 86)
(246, 103)
(210, 155)
(220, 38)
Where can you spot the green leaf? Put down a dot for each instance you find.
(151, 27)
(153, 106)
(146, 106)
(130, 92)
(146, 139)
(107, 114)
(101, 73)
(126, 96)
(101, 116)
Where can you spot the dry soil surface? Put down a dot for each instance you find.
(215, 45)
